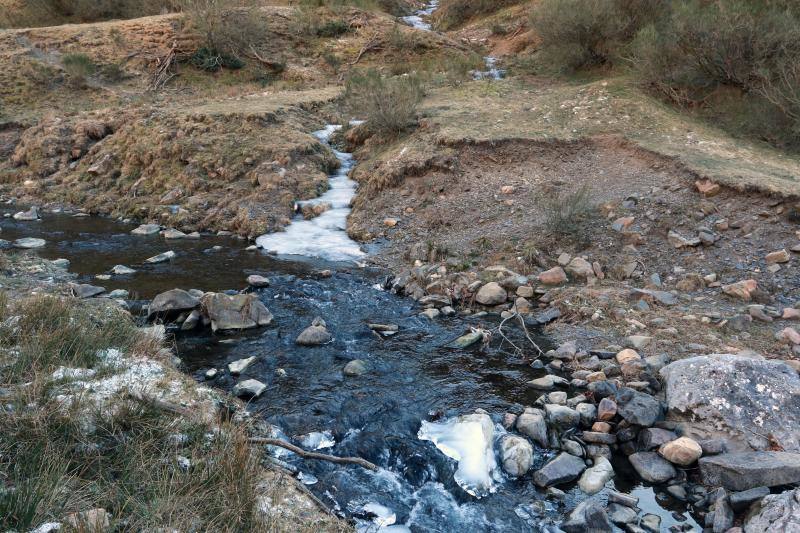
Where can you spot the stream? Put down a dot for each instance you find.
(412, 376)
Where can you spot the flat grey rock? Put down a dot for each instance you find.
(747, 470)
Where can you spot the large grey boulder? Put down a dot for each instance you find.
(777, 512)
(517, 455)
(563, 469)
(174, 300)
(240, 311)
(746, 470)
(742, 398)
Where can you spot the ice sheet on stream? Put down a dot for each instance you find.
(324, 236)
(468, 439)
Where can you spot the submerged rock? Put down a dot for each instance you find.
(744, 397)
(240, 311)
(28, 243)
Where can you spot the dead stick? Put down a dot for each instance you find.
(313, 455)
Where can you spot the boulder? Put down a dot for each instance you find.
(240, 311)
(249, 388)
(595, 478)
(742, 397)
(747, 470)
(172, 301)
(652, 467)
(86, 291)
(776, 512)
(563, 469)
(516, 453)
(27, 243)
(682, 451)
(491, 294)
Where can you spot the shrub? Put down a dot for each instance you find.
(565, 212)
(388, 104)
(333, 28)
(704, 47)
(584, 33)
(78, 67)
(228, 31)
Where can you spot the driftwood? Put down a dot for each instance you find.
(371, 44)
(313, 455)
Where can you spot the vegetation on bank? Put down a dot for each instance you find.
(737, 61)
(126, 462)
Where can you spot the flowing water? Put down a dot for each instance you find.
(400, 415)
(419, 19)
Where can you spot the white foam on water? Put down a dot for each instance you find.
(491, 72)
(468, 439)
(324, 236)
(416, 20)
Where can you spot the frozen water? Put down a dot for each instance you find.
(468, 439)
(324, 236)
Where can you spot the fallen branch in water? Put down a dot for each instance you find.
(313, 455)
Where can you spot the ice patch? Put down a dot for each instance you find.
(469, 440)
(324, 236)
(318, 440)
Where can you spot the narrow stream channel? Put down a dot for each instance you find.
(412, 376)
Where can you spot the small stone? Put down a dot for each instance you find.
(682, 451)
(122, 270)
(554, 276)
(627, 355)
(606, 410)
(652, 467)
(161, 258)
(595, 478)
(356, 367)
(741, 289)
(516, 454)
(254, 280)
(146, 229)
(237, 367)
(491, 294)
(707, 188)
(249, 388)
(781, 256)
(28, 243)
